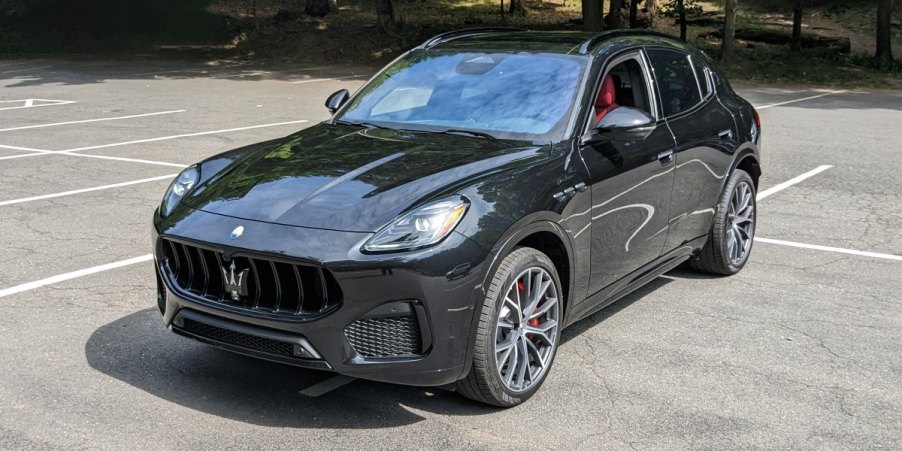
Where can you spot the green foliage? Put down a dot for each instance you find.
(671, 9)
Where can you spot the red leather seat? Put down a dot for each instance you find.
(607, 98)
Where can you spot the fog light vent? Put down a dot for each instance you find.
(387, 336)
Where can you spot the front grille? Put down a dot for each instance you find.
(272, 287)
(239, 339)
(386, 337)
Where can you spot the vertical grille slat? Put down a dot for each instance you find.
(297, 277)
(273, 286)
(277, 286)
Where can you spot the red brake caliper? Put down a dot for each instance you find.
(535, 321)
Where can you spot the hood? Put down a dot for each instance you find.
(347, 178)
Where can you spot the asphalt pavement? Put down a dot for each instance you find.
(800, 350)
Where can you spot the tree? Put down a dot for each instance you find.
(614, 14)
(681, 11)
(321, 8)
(634, 13)
(516, 8)
(385, 17)
(728, 46)
(593, 14)
(884, 55)
(796, 45)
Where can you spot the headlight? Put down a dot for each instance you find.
(425, 226)
(179, 187)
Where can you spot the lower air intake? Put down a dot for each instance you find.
(239, 339)
(398, 336)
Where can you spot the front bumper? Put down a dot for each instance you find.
(441, 285)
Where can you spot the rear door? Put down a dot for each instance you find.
(705, 141)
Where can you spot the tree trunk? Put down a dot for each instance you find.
(614, 14)
(256, 19)
(593, 14)
(884, 55)
(320, 8)
(516, 8)
(681, 9)
(796, 45)
(652, 7)
(728, 46)
(385, 16)
(634, 13)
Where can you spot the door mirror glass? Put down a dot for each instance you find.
(625, 124)
(336, 100)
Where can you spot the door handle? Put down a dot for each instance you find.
(665, 157)
(725, 134)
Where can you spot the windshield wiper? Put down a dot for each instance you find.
(454, 131)
(359, 124)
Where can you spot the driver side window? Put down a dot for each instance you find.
(623, 85)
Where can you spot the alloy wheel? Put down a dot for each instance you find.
(741, 223)
(526, 332)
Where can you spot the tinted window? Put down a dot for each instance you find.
(629, 84)
(676, 81)
(701, 72)
(526, 96)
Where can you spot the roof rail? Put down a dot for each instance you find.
(457, 34)
(590, 43)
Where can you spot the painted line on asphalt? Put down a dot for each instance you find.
(72, 275)
(185, 135)
(800, 100)
(314, 80)
(85, 190)
(839, 250)
(30, 103)
(127, 160)
(25, 69)
(328, 385)
(133, 116)
(781, 186)
(26, 149)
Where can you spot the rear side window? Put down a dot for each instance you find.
(701, 73)
(676, 81)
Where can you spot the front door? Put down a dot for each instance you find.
(631, 182)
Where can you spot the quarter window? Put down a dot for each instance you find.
(701, 73)
(676, 81)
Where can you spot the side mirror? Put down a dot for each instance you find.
(622, 124)
(336, 100)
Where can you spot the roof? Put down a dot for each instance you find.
(567, 42)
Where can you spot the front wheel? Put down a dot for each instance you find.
(518, 332)
(733, 232)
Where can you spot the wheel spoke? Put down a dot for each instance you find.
(523, 366)
(545, 331)
(538, 358)
(506, 344)
(505, 355)
(514, 304)
(511, 365)
(549, 303)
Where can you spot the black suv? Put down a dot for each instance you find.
(479, 194)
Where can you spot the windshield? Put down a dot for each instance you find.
(513, 96)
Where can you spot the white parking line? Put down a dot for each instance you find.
(128, 160)
(25, 70)
(781, 186)
(27, 127)
(327, 385)
(840, 250)
(186, 135)
(27, 149)
(85, 190)
(799, 100)
(31, 103)
(72, 275)
(314, 80)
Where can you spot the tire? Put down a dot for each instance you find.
(719, 256)
(500, 324)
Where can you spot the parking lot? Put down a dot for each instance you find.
(800, 350)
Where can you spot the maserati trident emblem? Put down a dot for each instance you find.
(237, 232)
(235, 284)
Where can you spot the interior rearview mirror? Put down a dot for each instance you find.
(337, 99)
(622, 124)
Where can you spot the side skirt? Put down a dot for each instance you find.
(634, 281)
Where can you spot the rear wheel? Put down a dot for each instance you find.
(518, 331)
(733, 232)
